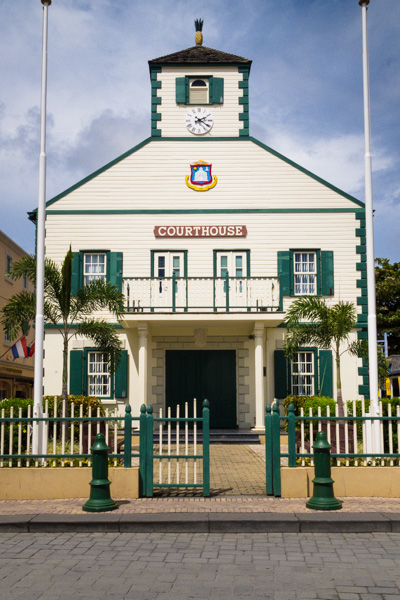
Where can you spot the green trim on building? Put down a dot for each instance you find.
(362, 299)
(244, 101)
(155, 101)
(194, 211)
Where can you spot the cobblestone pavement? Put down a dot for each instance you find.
(228, 504)
(200, 566)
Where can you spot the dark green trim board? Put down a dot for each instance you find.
(155, 101)
(362, 299)
(199, 140)
(244, 101)
(198, 211)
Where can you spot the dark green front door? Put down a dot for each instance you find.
(203, 374)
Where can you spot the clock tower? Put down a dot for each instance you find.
(199, 93)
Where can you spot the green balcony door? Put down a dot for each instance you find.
(203, 374)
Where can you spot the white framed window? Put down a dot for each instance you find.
(303, 374)
(9, 262)
(305, 273)
(198, 91)
(94, 267)
(25, 282)
(7, 335)
(98, 374)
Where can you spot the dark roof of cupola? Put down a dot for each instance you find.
(200, 55)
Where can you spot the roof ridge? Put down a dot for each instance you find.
(200, 54)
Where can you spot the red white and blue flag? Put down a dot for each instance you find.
(31, 348)
(20, 349)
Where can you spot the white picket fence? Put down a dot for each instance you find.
(59, 438)
(166, 448)
(344, 435)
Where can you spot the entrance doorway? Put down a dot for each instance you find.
(203, 374)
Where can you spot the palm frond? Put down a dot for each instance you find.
(95, 296)
(105, 337)
(307, 308)
(19, 310)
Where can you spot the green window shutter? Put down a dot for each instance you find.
(216, 90)
(281, 374)
(285, 274)
(121, 377)
(115, 271)
(325, 373)
(76, 276)
(76, 372)
(181, 90)
(327, 277)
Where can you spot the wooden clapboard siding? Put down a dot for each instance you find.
(266, 234)
(226, 115)
(249, 176)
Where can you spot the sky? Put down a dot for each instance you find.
(306, 97)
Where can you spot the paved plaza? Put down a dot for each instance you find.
(114, 566)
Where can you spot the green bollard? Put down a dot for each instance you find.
(323, 498)
(100, 499)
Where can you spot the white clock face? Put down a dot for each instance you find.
(199, 120)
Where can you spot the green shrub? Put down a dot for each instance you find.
(297, 401)
(307, 402)
(315, 402)
(23, 403)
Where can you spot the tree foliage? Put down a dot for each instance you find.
(387, 276)
(71, 314)
(311, 322)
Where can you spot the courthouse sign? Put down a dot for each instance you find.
(202, 231)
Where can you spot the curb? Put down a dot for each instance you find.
(203, 523)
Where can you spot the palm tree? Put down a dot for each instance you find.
(70, 314)
(310, 321)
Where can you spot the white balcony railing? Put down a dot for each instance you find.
(201, 294)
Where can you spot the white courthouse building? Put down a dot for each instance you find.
(210, 234)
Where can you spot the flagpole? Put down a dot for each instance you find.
(369, 226)
(40, 240)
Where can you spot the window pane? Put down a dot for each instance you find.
(94, 268)
(304, 273)
(98, 374)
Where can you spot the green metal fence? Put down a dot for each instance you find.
(357, 440)
(152, 450)
(67, 441)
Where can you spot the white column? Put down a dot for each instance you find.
(143, 333)
(259, 367)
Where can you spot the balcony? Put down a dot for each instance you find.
(201, 294)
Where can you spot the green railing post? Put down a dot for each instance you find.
(268, 451)
(149, 452)
(128, 437)
(142, 451)
(206, 448)
(227, 291)
(276, 450)
(173, 292)
(292, 436)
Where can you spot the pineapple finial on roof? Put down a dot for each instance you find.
(198, 24)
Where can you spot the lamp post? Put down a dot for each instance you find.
(369, 224)
(40, 235)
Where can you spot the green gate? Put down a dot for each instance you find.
(158, 447)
